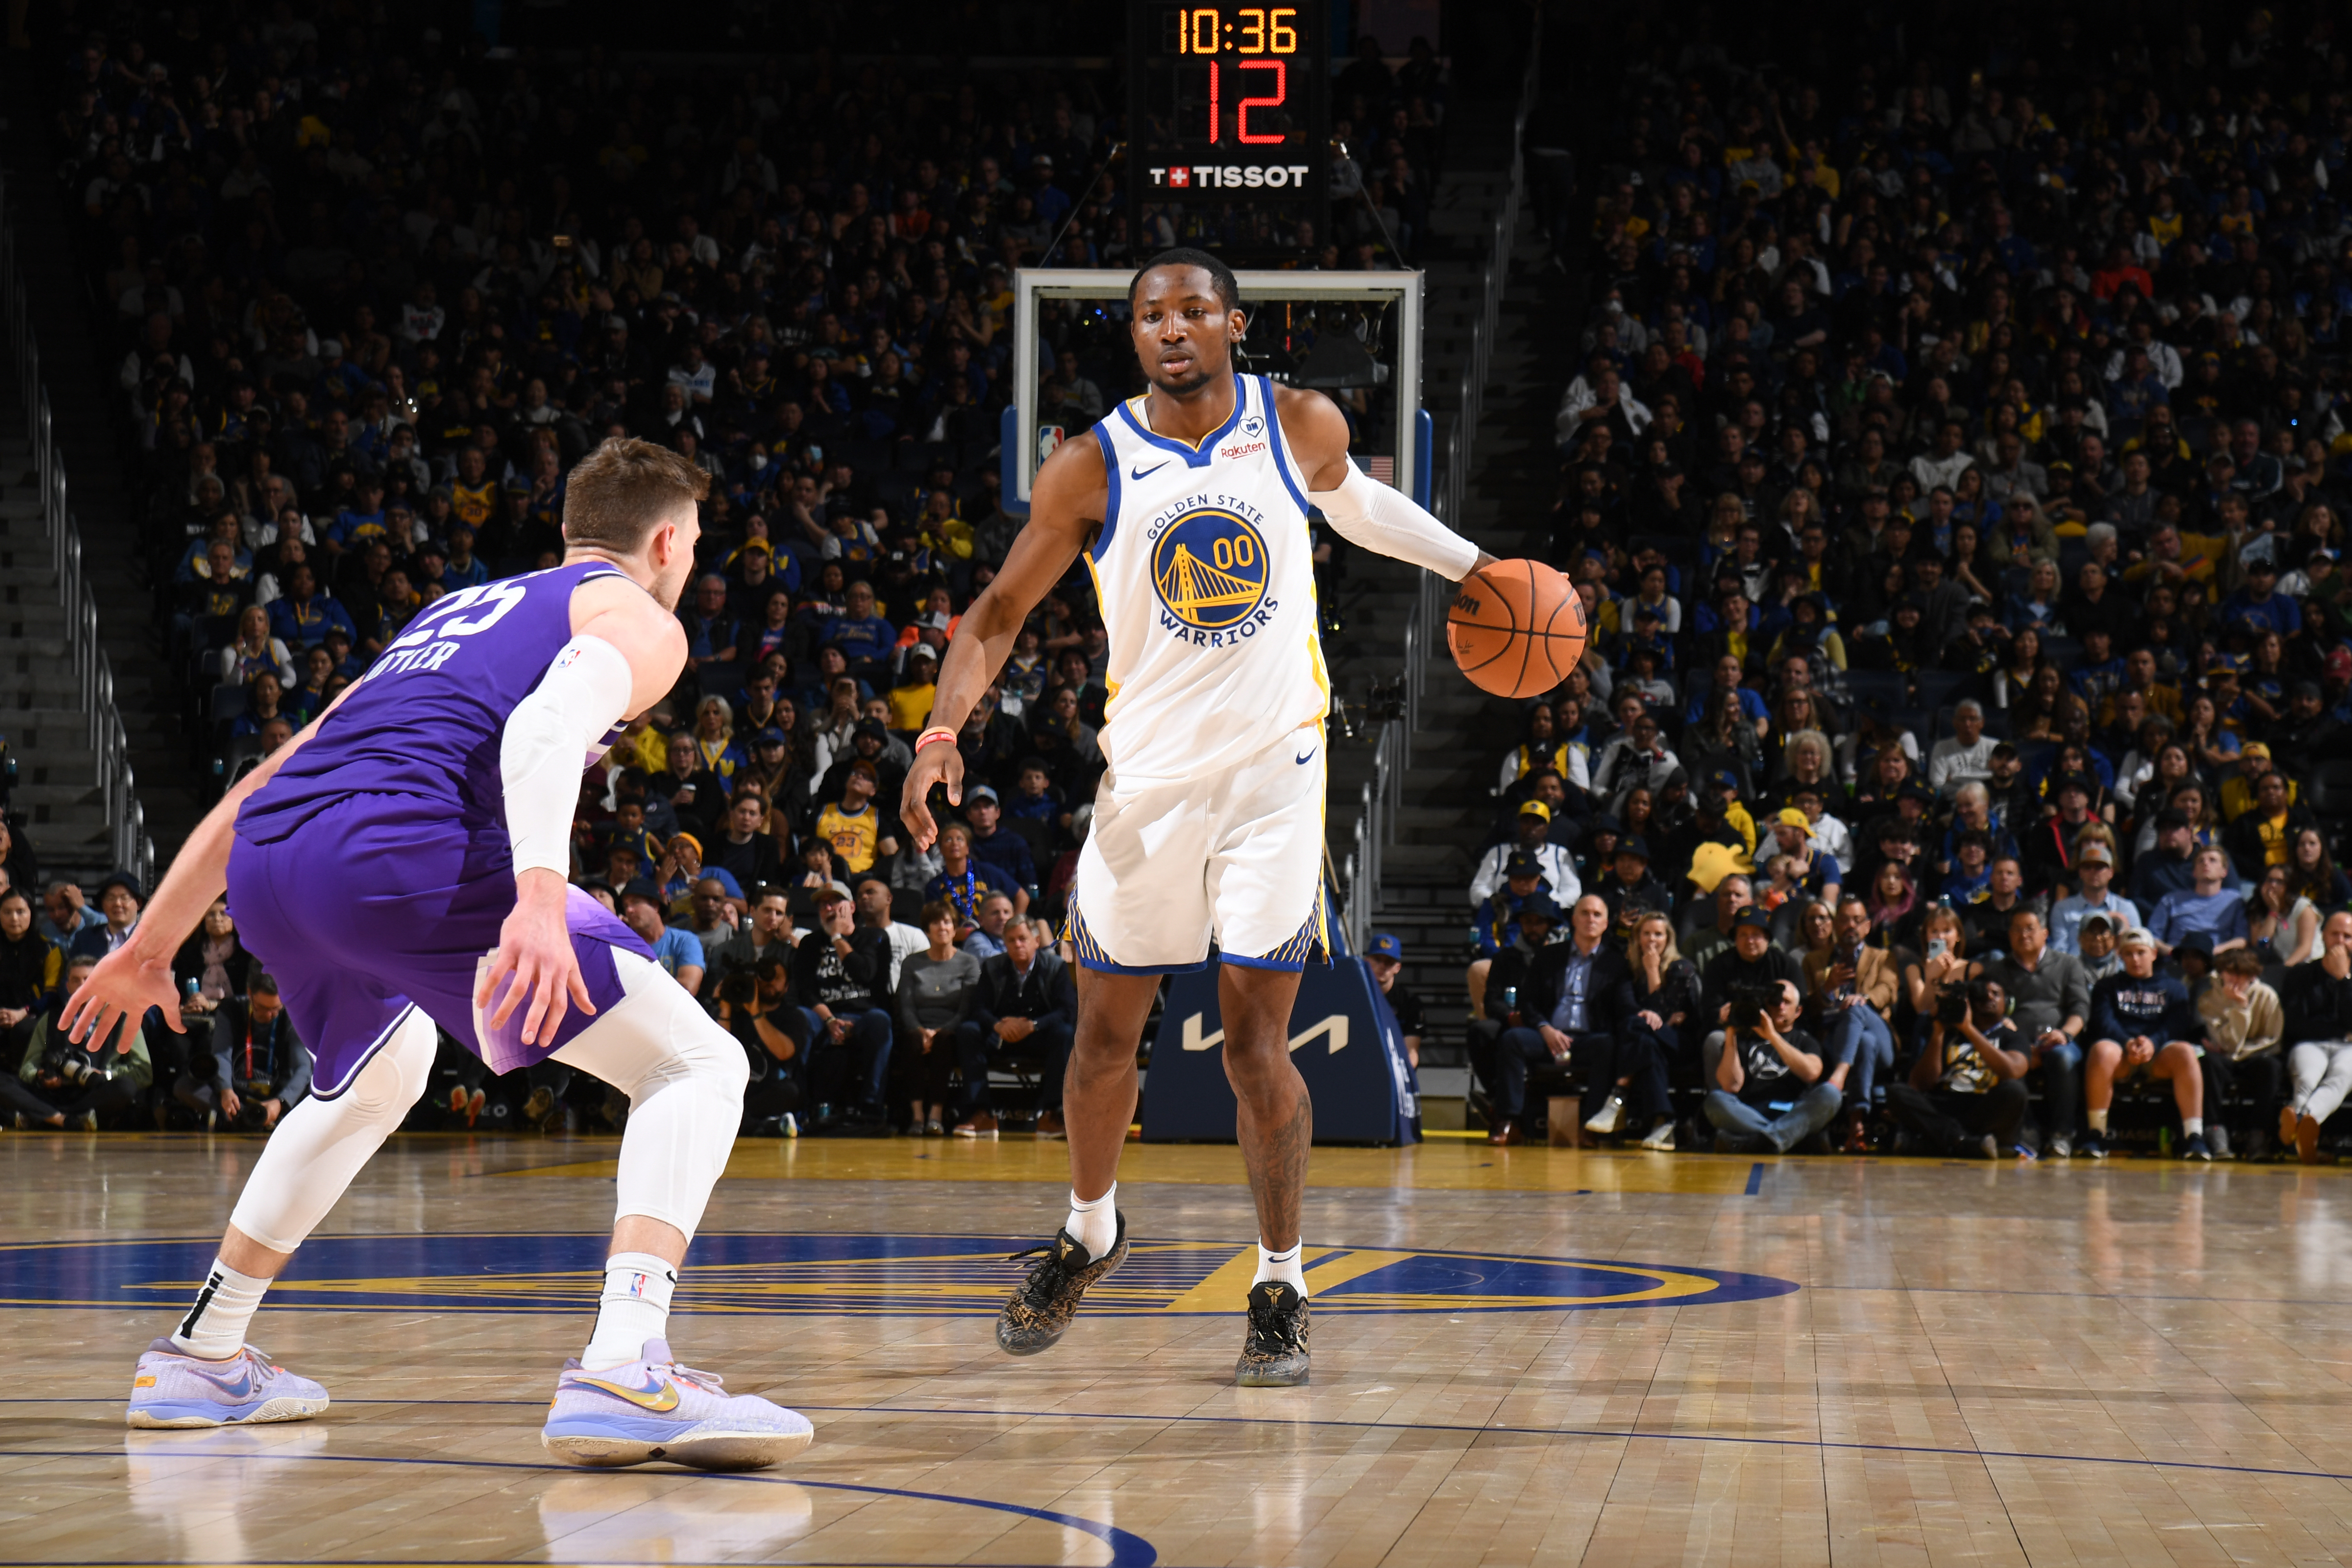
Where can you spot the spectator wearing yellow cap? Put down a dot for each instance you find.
(1812, 869)
(2243, 789)
(1532, 836)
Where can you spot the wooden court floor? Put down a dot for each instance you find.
(1521, 1357)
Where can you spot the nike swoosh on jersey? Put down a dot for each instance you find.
(1145, 473)
(1309, 757)
(659, 1398)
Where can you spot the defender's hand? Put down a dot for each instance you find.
(118, 992)
(941, 762)
(535, 949)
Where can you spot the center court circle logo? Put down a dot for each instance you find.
(863, 1274)
(1209, 568)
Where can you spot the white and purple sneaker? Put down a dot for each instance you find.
(176, 1389)
(653, 1408)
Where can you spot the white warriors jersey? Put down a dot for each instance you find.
(1205, 573)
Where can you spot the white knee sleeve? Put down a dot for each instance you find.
(684, 1075)
(321, 1144)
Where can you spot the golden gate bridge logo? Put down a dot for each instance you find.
(1209, 568)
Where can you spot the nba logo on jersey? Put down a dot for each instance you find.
(1209, 570)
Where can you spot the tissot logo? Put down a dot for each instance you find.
(1231, 176)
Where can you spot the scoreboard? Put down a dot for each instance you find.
(1229, 122)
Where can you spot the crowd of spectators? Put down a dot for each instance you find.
(1955, 473)
(376, 293)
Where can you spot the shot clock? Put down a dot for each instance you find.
(1230, 117)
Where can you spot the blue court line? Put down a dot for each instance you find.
(1755, 1178)
(1287, 1423)
(1128, 1550)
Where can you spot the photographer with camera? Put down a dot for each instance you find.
(1767, 1094)
(1970, 1083)
(1851, 988)
(256, 1070)
(755, 1004)
(1754, 963)
(768, 934)
(2051, 995)
(61, 1084)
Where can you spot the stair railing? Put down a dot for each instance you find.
(129, 847)
(1423, 639)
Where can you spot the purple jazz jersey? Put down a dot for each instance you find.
(373, 872)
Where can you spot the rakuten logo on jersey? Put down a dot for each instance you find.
(1241, 451)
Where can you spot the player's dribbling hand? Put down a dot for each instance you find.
(934, 764)
(535, 949)
(119, 991)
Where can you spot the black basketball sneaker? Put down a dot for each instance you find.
(1041, 1306)
(1274, 1353)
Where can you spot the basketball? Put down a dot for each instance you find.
(1516, 628)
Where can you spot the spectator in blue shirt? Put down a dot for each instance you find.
(1727, 671)
(2094, 866)
(2098, 674)
(675, 950)
(362, 520)
(963, 882)
(2144, 1022)
(990, 842)
(462, 570)
(864, 637)
(2255, 603)
(302, 616)
(2205, 906)
(712, 629)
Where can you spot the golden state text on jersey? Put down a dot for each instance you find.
(1204, 569)
(1209, 568)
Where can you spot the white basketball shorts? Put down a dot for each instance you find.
(1234, 856)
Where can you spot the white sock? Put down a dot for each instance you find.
(215, 1326)
(1094, 1222)
(2190, 1126)
(633, 1309)
(1282, 1265)
(2098, 1120)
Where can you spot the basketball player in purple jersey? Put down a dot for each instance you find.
(401, 864)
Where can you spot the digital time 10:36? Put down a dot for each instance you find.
(1254, 32)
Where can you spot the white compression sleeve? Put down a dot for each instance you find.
(684, 1075)
(1386, 521)
(550, 738)
(321, 1144)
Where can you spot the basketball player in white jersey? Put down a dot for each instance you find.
(1190, 503)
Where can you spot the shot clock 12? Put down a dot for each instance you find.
(1229, 110)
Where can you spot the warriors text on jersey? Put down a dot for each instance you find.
(1205, 574)
(1208, 823)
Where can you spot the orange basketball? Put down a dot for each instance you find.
(1516, 628)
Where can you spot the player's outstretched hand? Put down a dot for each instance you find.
(535, 948)
(120, 987)
(935, 763)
